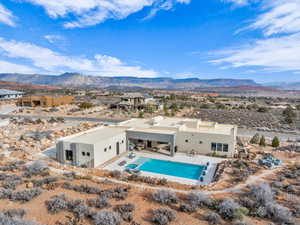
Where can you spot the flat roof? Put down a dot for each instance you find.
(154, 131)
(96, 135)
(167, 124)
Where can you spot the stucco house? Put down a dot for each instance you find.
(160, 134)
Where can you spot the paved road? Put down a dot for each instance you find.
(108, 121)
(241, 132)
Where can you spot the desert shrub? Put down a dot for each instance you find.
(57, 203)
(47, 180)
(5, 193)
(199, 199)
(279, 213)
(106, 193)
(163, 216)
(11, 184)
(36, 168)
(14, 212)
(115, 174)
(99, 202)
(212, 218)
(165, 197)
(82, 188)
(79, 208)
(106, 217)
(124, 208)
(25, 195)
(188, 208)
(230, 210)
(16, 220)
(261, 193)
(120, 193)
(11, 166)
(162, 181)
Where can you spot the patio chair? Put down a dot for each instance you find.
(122, 163)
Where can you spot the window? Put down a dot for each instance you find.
(186, 141)
(200, 142)
(225, 147)
(214, 146)
(109, 147)
(69, 155)
(122, 141)
(219, 147)
(88, 154)
(83, 153)
(105, 149)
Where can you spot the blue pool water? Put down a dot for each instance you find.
(176, 169)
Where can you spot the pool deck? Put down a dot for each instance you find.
(179, 157)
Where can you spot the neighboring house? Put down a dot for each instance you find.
(137, 101)
(10, 94)
(159, 134)
(44, 101)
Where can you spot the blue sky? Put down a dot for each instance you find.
(248, 39)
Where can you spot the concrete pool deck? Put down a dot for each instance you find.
(179, 157)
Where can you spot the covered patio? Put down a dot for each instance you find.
(151, 140)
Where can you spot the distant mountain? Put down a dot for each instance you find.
(293, 86)
(79, 80)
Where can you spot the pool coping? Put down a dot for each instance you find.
(179, 158)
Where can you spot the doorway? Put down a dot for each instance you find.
(118, 148)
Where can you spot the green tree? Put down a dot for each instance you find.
(262, 141)
(255, 139)
(275, 142)
(289, 114)
(141, 114)
(86, 105)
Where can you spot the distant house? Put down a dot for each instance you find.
(137, 101)
(10, 94)
(45, 101)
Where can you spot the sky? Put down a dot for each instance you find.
(243, 39)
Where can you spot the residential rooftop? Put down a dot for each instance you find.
(9, 92)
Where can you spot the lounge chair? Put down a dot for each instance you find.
(131, 155)
(122, 163)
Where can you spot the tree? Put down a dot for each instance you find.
(86, 105)
(141, 114)
(289, 114)
(262, 109)
(275, 142)
(255, 139)
(262, 141)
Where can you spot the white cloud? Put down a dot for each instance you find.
(279, 50)
(6, 16)
(51, 61)
(280, 17)
(8, 67)
(278, 54)
(52, 38)
(164, 5)
(92, 12)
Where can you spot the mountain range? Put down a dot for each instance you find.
(82, 81)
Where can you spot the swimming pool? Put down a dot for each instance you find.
(177, 169)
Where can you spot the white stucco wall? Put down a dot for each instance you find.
(204, 147)
(100, 156)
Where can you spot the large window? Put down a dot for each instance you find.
(69, 155)
(219, 147)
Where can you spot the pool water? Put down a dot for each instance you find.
(170, 168)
